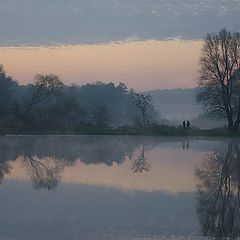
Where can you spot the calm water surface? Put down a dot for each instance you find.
(93, 187)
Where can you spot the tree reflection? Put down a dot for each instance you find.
(140, 164)
(4, 169)
(218, 204)
(45, 157)
(45, 173)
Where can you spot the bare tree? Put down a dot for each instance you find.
(41, 90)
(220, 76)
(144, 105)
(43, 87)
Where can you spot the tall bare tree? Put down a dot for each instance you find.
(220, 76)
(41, 90)
(144, 106)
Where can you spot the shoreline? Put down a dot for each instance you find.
(147, 133)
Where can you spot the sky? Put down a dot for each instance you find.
(147, 44)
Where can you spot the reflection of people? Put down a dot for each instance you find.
(184, 125)
(185, 144)
(188, 125)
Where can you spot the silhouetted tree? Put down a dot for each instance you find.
(43, 87)
(220, 76)
(41, 90)
(7, 86)
(48, 105)
(144, 105)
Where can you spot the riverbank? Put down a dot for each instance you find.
(161, 130)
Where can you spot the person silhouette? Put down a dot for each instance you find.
(188, 125)
(184, 125)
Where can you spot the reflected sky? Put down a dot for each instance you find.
(163, 165)
(140, 65)
(89, 212)
(88, 187)
(126, 163)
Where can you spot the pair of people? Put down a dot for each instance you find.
(186, 125)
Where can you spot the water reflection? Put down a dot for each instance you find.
(185, 144)
(218, 202)
(45, 173)
(45, 163)
(119, 188)
(108, 161)
(140, 164)
(4, 169)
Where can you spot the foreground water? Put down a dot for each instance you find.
(93, 187)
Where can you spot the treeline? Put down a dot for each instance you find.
(47, 105)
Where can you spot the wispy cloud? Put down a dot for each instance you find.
(30, 22)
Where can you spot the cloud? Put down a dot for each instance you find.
(49, 22)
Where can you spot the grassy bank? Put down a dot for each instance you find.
(159, 130)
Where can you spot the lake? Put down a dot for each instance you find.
(119, 187)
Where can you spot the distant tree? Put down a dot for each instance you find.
(41, 90)
(5, 168)
(43, 87)
(101, 116)
(220, 76)
(6, 87)
(64, 111)
(105, 94)
(143, 104)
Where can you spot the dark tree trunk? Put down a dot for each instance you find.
(230, 120)
(237, 122)
(236, 125)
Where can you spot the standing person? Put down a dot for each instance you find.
(184, 125)
(188, 125)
